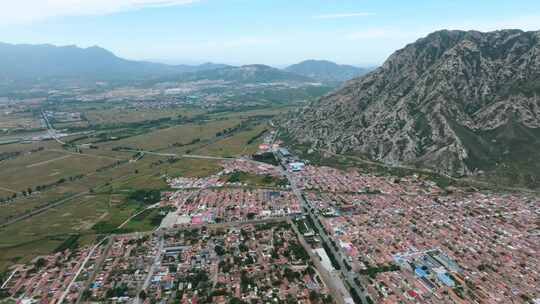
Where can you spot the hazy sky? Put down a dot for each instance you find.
(275, 32)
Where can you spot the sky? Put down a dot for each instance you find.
(274, 32)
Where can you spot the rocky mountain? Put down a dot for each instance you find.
(454, 101)
(326, 71)
(31, 62)
(256, 73)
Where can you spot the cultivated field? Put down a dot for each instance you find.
(115, 115)
(98, 181)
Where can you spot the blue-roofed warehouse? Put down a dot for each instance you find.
(420, 272)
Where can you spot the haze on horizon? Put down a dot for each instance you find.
(275, 32)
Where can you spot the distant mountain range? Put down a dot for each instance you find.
(326, 71)
(454, 101)
(45, 62)
(35, 62)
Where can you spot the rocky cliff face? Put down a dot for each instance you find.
(435, 102)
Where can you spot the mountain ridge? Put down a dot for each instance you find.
(28, 61)
(255, 73)
(37, 62)
(431, 102)
(326, 71)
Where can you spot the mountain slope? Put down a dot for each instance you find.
(454, 101)
(256, 73)
(326, 71)
(27, 62)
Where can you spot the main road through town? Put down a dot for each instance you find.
(347, 275)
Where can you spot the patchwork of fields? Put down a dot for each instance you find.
(51, 192)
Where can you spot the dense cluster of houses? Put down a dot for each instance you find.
(60, 276)
(228, 205)
(411, 242)
(262, 263)
(493, 237)
(327, 179)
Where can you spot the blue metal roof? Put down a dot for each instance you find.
(420, 272)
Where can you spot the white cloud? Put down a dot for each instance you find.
(27, 11)
(343, 15)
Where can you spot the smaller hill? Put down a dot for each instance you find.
(326, 71)
(256, 73)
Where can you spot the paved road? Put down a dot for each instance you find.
(74, 279)
(51, 130)
(179, 155)
(349, 276)
(9, 278)
(207, 157)
(327, 278)
(96, 269)
(153, 268)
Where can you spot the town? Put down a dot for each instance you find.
(324, 236)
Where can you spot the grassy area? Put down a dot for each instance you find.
(373, 271)
(238, 144)
(193, 168)
(146, 221)
(109, 205)
(20, 120)
(46, 167)
(98, 116)
(255, 180)
(172, 136)
(45, 232)
(84, 218)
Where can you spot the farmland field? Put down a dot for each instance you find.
(24, 120)
(135, 115)
(235, 145)
(87, 185)
(47, 166)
